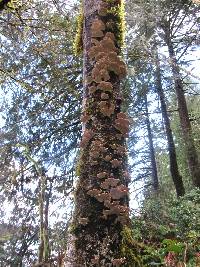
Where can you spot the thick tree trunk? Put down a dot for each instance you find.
(192, 157)
(151, 149)
(176, 177)
(101, 199)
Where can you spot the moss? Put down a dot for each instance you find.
(130, 249)
(79, 163)
(73, 229)
(12, 4)
(78, 42)
(121, 23)
(119, 16)
(118, 13)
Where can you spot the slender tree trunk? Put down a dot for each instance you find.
(101, 202)
(43, 255)
(192, 157)
(151, 148)
(176, 177)
(46, 222)
(41, 214)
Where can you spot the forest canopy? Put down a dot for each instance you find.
(100, 133)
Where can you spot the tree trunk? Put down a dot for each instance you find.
(41, 214)
(44, 253)
(192, 157)
(176, 177)
(151, 149)
(101, 198)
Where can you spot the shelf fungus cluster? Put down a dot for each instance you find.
(103, 187)
(101, 110)
(107, 66)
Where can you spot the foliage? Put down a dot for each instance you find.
(40, 130)
(171, 226)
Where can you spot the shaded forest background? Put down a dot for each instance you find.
(41, 102)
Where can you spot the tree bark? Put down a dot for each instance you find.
(191, 153)
(101, 198)
(176, 177)
(44, 197)
(151, 149)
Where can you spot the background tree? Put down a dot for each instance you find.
(40, 128)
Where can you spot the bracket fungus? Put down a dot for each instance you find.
(97, 28)
(105, 86)
(104, 96)
(108, 158)
(88, 134)
(106, 109)
(85, 117)
(97, 147)
(116, 163)
(122, 123)
(120, 150)
(116, 209)
(93, 192)
(92, 89)
(109, 182)
(119, 192)
(95, 260)
(102, 175)
(118, 262)
(110, 35)
(83, 221)
(102, 197)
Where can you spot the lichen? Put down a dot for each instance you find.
(130, 249)
(78, 41)
(119, 26)
(11, 4)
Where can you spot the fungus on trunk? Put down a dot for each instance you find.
(101, 199)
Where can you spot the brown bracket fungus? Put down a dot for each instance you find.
(102, 175)
(122, 123)
(103, 197)
(106, 109)
(97, 28)
(95, 260)
(93, 192)
(118, 192)
(105, 86)
(83, 221)
(118, 262)
(108, 158)
(116, 163)
(88, 134)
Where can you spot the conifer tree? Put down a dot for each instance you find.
(101, 199)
